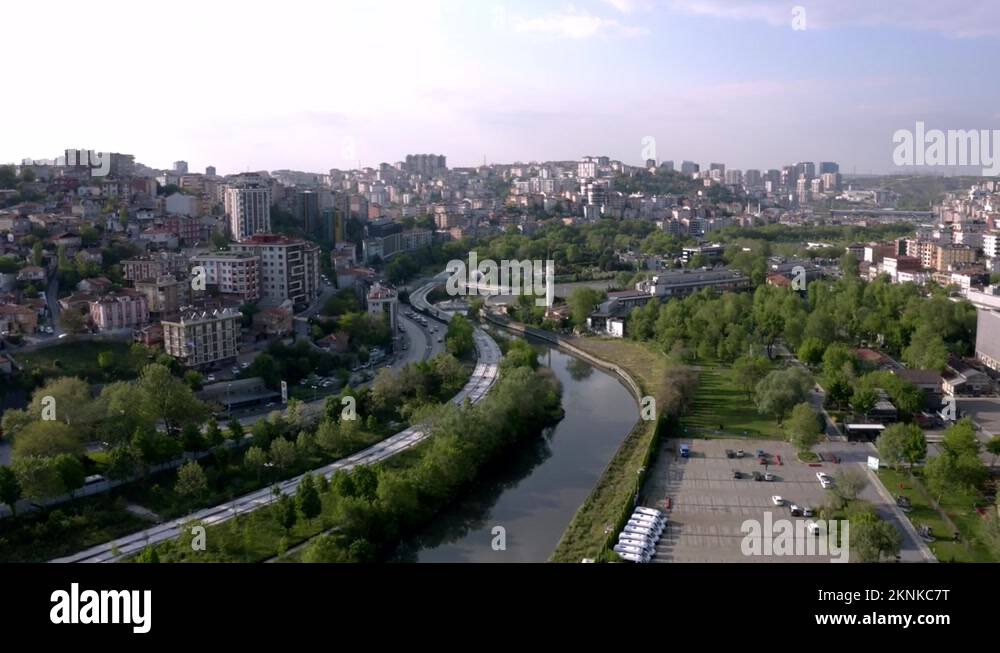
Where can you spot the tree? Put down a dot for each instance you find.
(927, 350)
(123, 462)
(72, 321)
(811, 351)
(582, 302)
(287, 515)
(213, 433)
(307, 498)
(960, 438)
(459, 339)
(849, 484)
(864, 399)
(803, 427)
(14, 421)
(325, 549)
(235, 429)
(902, 443)
(10, 489)
(993, 448)
(71, 472)
(283, 454)
(191, 480)
(69, 397)
(781, 390)
(148, 556)
(255, 460)
(47, 439)
(748, 372)
(163, 397)
(38, 477)
(873, 538)
(105, 360)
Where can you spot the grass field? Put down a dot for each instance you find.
(958, 509)
(80, 359)
(586, 534)
(721, 402)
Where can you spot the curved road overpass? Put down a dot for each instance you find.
(483, 379)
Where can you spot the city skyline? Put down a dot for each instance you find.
(365, 83)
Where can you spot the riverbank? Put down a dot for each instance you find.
(646, 373)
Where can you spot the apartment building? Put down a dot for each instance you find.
(200, 339)
(289, 267)
(154, 266)
(248, 205)
(166, 294)
(232, 273)
(383, 300)
(127, 309)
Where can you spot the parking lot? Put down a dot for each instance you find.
(708, 505)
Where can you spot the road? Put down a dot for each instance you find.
(483, 379)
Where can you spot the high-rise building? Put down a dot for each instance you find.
(210, 171)
(805, 169)
(307, 213)
(181, 167)
(689, 167)
(427, 165)
(586, 168)
(828, 167)
(232, 273)
(289, 267)
(248, 205)
(202, 338)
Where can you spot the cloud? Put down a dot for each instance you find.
(975, 19)
(573, 24)
(630, 6)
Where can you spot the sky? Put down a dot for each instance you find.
(313, 85)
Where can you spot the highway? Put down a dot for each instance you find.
(483, 379)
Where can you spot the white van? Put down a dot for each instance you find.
(652, 512)
(643, 544)
(639, 530)
(649, 518)
(626, 548)
(646, 523)
(631, 557)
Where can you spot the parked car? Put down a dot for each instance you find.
(737, 474)
(769, 477)
(730, 453)
(740, 454)
(777, 500)
(795, 510)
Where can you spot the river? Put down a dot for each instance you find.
(533, 492)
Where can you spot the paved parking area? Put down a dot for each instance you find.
(708, 506)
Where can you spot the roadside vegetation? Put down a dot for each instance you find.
(364, 513)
